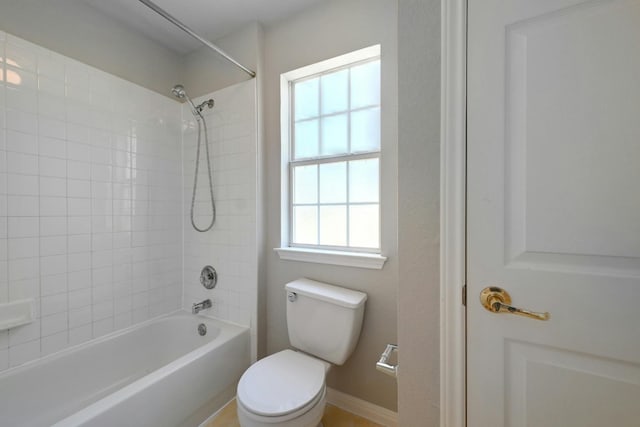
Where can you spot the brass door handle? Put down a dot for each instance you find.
(497, 300)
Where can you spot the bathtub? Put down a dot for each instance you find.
(159, 373)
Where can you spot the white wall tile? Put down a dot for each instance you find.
(79, 280)
(53, 206)
(51, 147)
(22, 185)
(79, 299)
(78, 216)
(53, 187)
(78, 170)
(54, 343)
(21, 142)
(78, 207)
(80, 334)
(53, 167)
(78, 151)
(78, 243)
(22, 289)
(53, 324)
(24, 334)
(53, 226)
(79, 225)
(53, 304)
(55, 284)
(23, 353)
(79, 261)
(23, 247)
(23, 227)
(21, 121)
(23, 98)
(52, 128)
(22, 205)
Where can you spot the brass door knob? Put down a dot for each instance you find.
(497, 300)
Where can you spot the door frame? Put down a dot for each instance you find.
(453, 213)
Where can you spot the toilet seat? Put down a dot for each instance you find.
(282, 386)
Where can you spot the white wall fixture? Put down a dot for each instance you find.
(16, 313)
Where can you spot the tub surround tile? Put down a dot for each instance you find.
(23, 353)
(78, 148)
(233, 156)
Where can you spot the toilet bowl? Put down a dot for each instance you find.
(287, 389)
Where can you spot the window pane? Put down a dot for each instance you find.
(333, 182)
(365, 85)
(335, 92)
(333, 225)
(306, 99)
(364, 226)
(365, 130)
(306, 139)
(364, 181)
(305, 225)
(305, 184)
(334, 135)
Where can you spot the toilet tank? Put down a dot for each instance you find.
(324, 320)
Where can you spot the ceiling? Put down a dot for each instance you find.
(211, 19)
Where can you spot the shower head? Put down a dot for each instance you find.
(179, 92)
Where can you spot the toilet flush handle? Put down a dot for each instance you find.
(292, 296)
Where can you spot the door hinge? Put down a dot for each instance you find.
(464, 295)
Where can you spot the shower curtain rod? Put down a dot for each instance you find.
(166, 15)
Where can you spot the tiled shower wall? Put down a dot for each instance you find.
(230, 246)
(90, 201)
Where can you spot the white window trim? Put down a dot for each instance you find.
(350, 258)
(344, 258)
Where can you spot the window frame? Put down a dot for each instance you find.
(339, 255)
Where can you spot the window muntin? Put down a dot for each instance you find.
(334, 159)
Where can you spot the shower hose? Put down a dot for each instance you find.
(202, 124)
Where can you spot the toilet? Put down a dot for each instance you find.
(287, 389)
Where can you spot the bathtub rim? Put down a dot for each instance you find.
(61, 353)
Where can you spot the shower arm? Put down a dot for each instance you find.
(166, 15)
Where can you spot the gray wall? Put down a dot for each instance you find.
(330, 29)
(418, 198)
(75, 29)
(205, 71)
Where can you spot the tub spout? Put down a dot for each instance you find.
(199, 306)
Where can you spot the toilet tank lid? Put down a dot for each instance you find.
(326, 292)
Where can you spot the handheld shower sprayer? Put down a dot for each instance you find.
(179, 92)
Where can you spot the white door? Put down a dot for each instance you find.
(554, 212)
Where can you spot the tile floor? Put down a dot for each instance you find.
(333, 417)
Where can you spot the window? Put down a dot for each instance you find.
(331, 155)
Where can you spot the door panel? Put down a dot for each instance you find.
(554, 211)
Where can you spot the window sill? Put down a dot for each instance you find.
(348, 259)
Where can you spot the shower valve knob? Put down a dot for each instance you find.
(209, 277)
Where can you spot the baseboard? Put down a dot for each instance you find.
(360, 407)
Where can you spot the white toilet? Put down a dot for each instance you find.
(287, 389)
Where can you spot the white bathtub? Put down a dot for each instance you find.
(160, 373)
